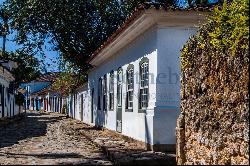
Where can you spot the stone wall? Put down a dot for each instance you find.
(213, 127)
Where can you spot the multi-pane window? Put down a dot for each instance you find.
(130, 87)
(99, 93)
(144, 81)
(119, 88)
(104, 102)
(111, 91)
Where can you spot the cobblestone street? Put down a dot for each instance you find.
(39, 140)
(43, 138)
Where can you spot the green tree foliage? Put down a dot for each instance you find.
(28, 66)
(230, 26)
(68, 81)
(76, 28)
(226, 32)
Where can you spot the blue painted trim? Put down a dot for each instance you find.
(169, 106)
(167, 101)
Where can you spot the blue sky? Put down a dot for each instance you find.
(50, 55)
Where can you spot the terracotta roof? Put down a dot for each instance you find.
(138, 12)
(81, 86)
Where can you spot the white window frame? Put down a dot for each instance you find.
(104, 94)
(111, 90)
(130, 87)
(119, 87)
(144, 84)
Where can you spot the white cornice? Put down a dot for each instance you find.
(148, 19)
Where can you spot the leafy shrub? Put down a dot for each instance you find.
(227, 31)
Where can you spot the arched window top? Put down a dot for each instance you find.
(144, 84)
(111, 73)
(130, 87)
(119, 74)
(119, 70)
(111, 90)
(144, 60)
(130, 66)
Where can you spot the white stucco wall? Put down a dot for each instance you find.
(72, 105)
(84, 103)
(169, 43)
(33, 87)
(134, 124)
(161, 45)
(10, 107)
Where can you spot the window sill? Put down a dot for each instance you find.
(128, 110)
(142, 111)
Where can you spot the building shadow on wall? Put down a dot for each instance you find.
(33, 125)
(100, 116)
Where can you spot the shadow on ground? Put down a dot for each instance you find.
(66, 158)
(114, 147)
(31, 125)
(46, 155)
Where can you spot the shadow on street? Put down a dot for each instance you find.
(33, 125)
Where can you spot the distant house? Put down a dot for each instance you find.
(134, 86)
(8, 107)
(78, 104)
(51, 100)
(33, 101)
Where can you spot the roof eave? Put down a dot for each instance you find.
(141, 23)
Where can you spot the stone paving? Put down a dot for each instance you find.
(43, 138)
(120, 150)
(38, 140)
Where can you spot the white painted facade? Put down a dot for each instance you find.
(32, 102)
(8, 107)
(82, 104)
(155, 36)
(51, 101)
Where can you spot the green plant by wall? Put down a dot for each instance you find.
(227, 31)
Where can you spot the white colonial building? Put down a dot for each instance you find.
(134, 85)
(39, 95)
(79, 103)
(8, 107)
